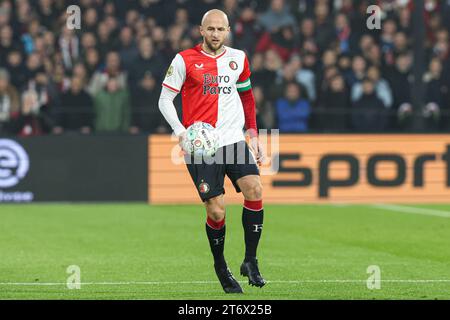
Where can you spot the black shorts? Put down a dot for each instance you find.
(208, 175)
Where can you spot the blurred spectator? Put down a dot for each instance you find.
(400, 80)
(47, 13)
(146, 116)
(112, 70)
(69, 45)
(33, 66)
(42, 91)
(246, 31)
(147, 61)
(325, 31)
(264, 111)
(345, 37)
(16, 69)
(281, 41)
(368, 110)
(9, 102)
(276, 16)
(322, 42)
(401, 44)
(293, 111)
(105, 42)
(127, 49)
(258, 70)
(307, 34)
(6, 42)
(441, 48)
(92, 61)
(88, 41)
(79, 71)
(90, 20)
(305, 77)
(272, 64)
(329, 73)
(76, 111)
(334, 107)
(357, 72)
(389, 28)
(60, 79)
(345, 65)
(284, 77)
(112, 108)
(30, 122)
(404, 20)
(374, 56)
(436, 92)
(382, 88)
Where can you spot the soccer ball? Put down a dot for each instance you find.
(201, 140)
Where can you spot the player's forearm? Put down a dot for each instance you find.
(248, 102)
(168, 110)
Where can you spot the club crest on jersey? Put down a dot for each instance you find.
(233, 65)
(203, 187)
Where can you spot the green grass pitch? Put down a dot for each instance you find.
(137, 251)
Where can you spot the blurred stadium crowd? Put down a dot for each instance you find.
(316, 67)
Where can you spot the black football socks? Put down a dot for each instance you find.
(215, 230)
(252, 221)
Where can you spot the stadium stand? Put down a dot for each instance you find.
(316, 57)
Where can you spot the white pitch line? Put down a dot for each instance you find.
(415, 210)
(214, 282)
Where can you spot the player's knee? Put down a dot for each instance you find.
(254, 192)
(215, 211)
(216, 214)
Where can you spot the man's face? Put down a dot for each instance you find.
(146, 47)
(358, 65)
(113, 61)
(215, 30)
(277, 5)
(337, 84)
(14, 58)
(6, 33)
(292, 92)
(33, 62)
(403, 63)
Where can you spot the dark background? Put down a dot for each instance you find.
(86, 168)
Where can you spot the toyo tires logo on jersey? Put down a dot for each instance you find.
(14, 165)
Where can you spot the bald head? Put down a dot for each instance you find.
(215, 15)
(214, 30)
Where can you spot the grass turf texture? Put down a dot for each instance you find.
(163, 253)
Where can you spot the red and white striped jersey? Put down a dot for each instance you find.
(209, 87)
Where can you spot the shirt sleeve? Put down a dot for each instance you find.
(176, 74)
(169, 111)
(243, 83)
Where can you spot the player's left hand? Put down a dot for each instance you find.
(258, 150)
